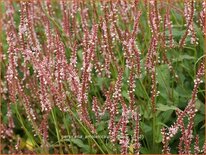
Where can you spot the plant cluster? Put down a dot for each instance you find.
(103, 77)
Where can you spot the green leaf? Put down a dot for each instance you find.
(145, 128)
(199, 105)
(202, 109)
(176, 33)
(101, 126)
(162, 107)
(125, 94)
(80, 144)
(163, 76)
(144, 150)
(198, 118)
(183, 57)
(166, 116)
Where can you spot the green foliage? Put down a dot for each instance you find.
(174, 93)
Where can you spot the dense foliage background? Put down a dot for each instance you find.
(102, 77)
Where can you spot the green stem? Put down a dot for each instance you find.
(85, 129)
(68, 132)
(154, 147)
(57, 130)
(25, 129)
(145, 92)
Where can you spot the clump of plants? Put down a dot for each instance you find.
(103, 77)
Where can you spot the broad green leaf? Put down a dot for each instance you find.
(166, 116)
(145, 128)
(176, 33)
(80, 144)
(199, 105)
(163, 76)
(183, 57)
(198, 118)
(101, 126)
(144, 150)
(125, 94)
(162, 107)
